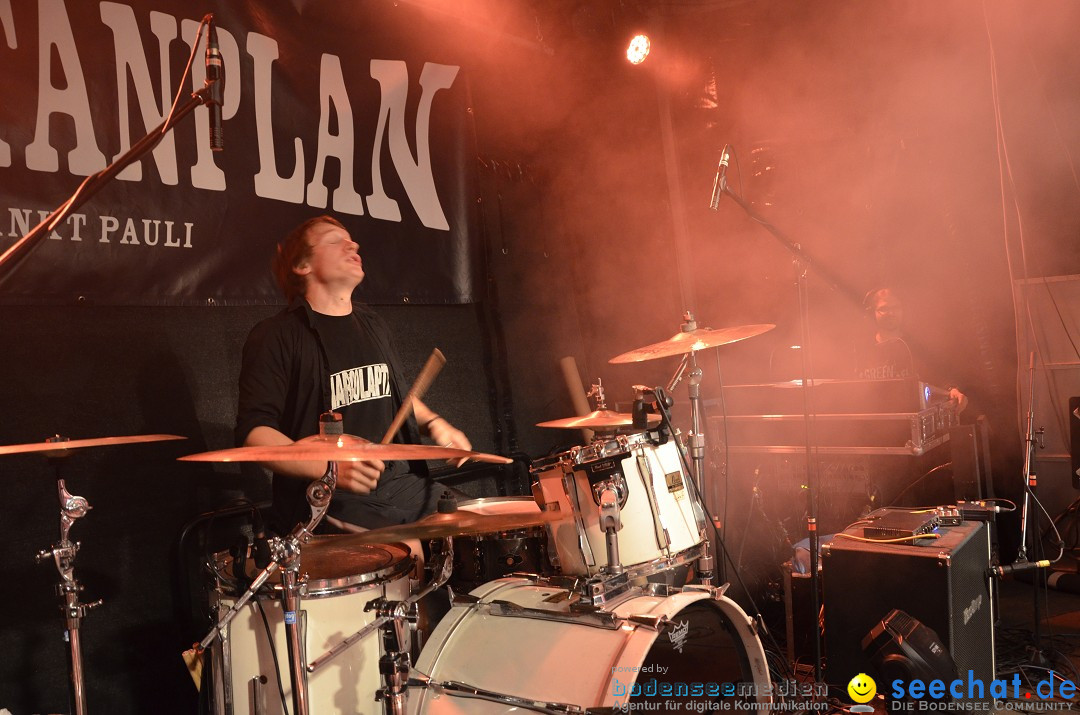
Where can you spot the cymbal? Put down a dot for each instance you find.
(458, 523)
(339, 448)
(597, 419)
(690, 341)
(65, 445)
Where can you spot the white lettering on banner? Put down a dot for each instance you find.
(58, 57)
(131, 60)
(268, 183)
(340, 146)
(7, 21)
(54, 33)
(152, 232)
(416, 177)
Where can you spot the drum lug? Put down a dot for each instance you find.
(717, 592)
(656, 623)
(461, 599)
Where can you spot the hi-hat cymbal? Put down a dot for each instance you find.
(598, 420)
(65, 445)
(458, 523)
(339, 448)
(689, 341)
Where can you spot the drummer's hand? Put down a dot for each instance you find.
(445, 434)
(359, 477)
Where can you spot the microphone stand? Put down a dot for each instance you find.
(96, 182)
(1032, 441)
(801, 263)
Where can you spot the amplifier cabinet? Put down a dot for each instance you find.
(943, 584)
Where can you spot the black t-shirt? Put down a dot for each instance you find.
(886, 360)
(361, 389)
(285, 384)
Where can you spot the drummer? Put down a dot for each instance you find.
(326, 352)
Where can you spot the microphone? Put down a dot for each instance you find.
(1021, 566)
(215, 80)
(720, 182)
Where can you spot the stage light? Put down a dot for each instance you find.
(638, 49)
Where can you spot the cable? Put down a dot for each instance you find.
(895, 540)
(273, 655)
(727, 441)
(917, 481)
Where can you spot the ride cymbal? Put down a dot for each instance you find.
(692, 340)
(598, 419)
(62, 445)
(340, 448)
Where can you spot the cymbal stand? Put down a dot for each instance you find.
(690, 368)
(62, 553)
(285, 557)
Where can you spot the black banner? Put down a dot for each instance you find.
(351, 109)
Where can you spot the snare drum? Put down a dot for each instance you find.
(659, 510)
(340, 583)
(486, 557)
(521, 640)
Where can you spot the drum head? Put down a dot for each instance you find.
(703, 649)
(333, 568)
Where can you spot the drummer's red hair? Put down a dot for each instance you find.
(292, 252)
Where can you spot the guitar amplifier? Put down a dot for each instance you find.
(943, 584)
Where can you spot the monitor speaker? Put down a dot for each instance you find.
(943, 584)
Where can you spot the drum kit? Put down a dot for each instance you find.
(595, 594)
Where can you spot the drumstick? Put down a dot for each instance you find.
(423, 381)
(577, 395)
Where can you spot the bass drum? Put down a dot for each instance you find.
(521, 643)
(341, 582)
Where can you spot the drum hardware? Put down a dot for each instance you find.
(285, 558)
(599, 419)
(451, 687)
(63, 552)
(610, 523)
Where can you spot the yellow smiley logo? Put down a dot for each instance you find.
(862, 688)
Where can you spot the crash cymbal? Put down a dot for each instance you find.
(699, 339)
(339, 448)
(458, 523)
(597, 420)
(65, 445)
